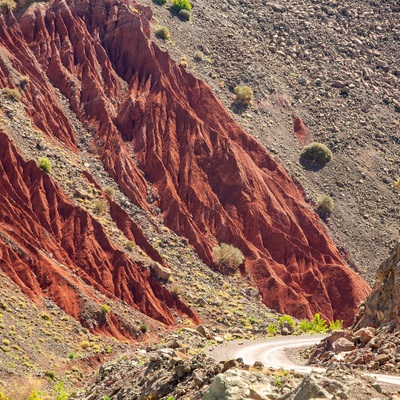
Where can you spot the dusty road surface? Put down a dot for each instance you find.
(275, 353)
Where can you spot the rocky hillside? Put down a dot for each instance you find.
(381, 308)
(104, 104)
(333, 64)
(373, 342)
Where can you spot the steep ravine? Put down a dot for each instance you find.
(156, 127)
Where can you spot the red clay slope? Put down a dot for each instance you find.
(214, 182)
(40, 229)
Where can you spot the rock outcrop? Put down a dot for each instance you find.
(156, 126)
(382, 307)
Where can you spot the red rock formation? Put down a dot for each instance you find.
(46, 243)
(214, 182)
(300, 130)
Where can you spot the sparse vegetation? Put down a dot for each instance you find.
(110, 191)
(99, 207)
(178, 5)
(228, 256)
(319, 325)
(144, 328)
(45, 164)
(244, 94)
(163, 33)
(130, 245)
(272, 329)
(12, 94)
(325, 205)
(184, 15)
(316, 153)
(159, 2)
(175, 290)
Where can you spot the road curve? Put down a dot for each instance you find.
(271, 352)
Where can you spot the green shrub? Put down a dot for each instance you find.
(244, 94)
(100, 207)
(316, 325)
(12, 94)
(316, 152)
(228, 256)
(61, 393)
(7, 6)
(286, 318)
(85, 344)
(105, 309)
(34, 395)
(50, 374)
(163, 33)
(45, 164)
(184, 15)
(110, 191)
(144, 328)
(160, 2)
(178, 5)
(272, 329)
(325, 204)
(336, 325)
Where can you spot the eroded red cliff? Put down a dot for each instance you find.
(55, 249)
(213, 182)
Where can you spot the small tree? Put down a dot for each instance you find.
(228, 256)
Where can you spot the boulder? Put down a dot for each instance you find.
(204, 331)
(364, 335)
(343, 344)
(160, 272)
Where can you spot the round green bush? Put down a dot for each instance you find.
(163, 33)
(184, 15)
(45, 164)
(325, 204)
(178, 5)
(316, 152)
(244, 94)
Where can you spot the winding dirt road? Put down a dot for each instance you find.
(273, 353)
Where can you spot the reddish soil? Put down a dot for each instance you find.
(211, 180)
